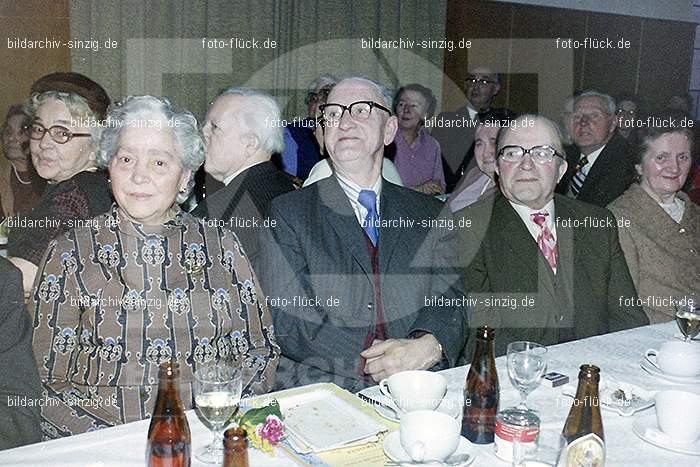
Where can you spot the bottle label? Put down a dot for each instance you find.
(507, 433)
(586, 451)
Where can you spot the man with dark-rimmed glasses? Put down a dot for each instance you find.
(546, 268)
(354, 260)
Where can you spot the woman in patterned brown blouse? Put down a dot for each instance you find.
(143, 284)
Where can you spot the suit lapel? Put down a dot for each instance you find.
(336, 209)
(388, 238)
(232, 194)
(566, 248)
(514, 235)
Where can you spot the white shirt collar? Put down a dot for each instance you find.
(228, 179)
(472, 113)
(352, 191)
(525, 214)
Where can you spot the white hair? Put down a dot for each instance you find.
(77, 106)
(383, 93)
(321, 81)
(262, 118)
(607, 101)
(139, 110)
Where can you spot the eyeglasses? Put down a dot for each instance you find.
(540, 154)
(360, 110)
(480, 81)
(58, 133)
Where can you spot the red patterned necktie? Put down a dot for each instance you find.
(545, 240)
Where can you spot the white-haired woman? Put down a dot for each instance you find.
(418, 156)
(64, 114)
(144, 284)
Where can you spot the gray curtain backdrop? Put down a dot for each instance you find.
(155, 47)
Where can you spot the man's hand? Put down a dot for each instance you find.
(431, 187)
(394, 355)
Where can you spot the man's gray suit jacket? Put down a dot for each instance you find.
(318, 251)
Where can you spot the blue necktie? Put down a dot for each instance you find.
(368, 199)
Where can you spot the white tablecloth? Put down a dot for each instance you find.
(617, 354)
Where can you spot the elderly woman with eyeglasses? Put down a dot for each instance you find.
(143, 284)
(64, 114)
(659, 226)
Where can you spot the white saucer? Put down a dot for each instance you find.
(647, 428)
(396, 452)
(388, 413)
(652, 370)
(447, 406)
(638, 398)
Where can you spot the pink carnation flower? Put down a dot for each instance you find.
(272, 430)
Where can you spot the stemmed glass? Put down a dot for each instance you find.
(527, 362)
(217, 392)
(688, 320)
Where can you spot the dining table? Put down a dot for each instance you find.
(618, 355)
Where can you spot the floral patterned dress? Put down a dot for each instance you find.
(114, 299)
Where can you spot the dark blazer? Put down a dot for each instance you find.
(592, 292)
(19, 378)
(246, 200)
(319, 250)
(455, 138)
(612, 173)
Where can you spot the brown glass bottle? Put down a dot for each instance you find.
(235, 448)
(169, 441)
(585, 442)
(481, 393)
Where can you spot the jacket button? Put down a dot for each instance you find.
(682, 230)
(369, 306)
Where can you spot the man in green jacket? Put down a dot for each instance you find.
(540, 266)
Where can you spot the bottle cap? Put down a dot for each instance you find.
(169, 369)
(234, 436)
(589, 371)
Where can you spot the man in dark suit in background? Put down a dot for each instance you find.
(357, 269)
(20, 388)
(455, 130)
(600, 168)
(543, 267)
(242, 130)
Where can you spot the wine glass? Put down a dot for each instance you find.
(688, 320)
(527, 362)
(217, 392)
(545, 451)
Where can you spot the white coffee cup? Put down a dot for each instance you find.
(428, 435)
(676, 358)
(678, 414)
(415, 389)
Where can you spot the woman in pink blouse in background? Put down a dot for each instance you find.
(418, 157)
